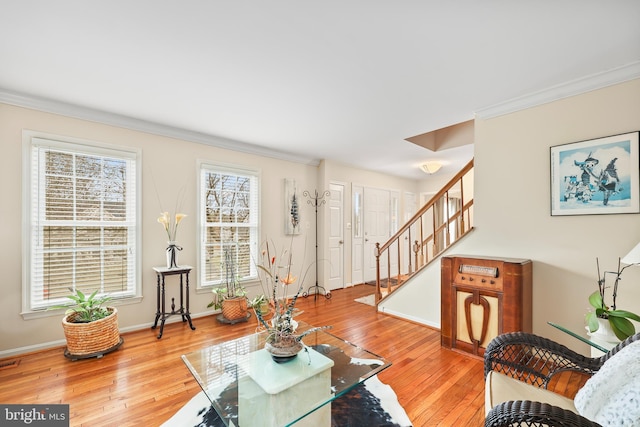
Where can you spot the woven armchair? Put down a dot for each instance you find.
(535, 360)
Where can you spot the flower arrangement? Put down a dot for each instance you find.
(276, 278)
(171, 227)
(618, 319)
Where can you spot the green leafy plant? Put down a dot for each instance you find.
(618, 319)
(260, 303)
(86, 308)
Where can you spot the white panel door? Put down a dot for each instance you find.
(336, 237)
(376, 230)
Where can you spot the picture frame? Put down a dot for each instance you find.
(596, 176)
(291, 207)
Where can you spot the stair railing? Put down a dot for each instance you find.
(441, 222)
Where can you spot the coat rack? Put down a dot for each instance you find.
(316, 200)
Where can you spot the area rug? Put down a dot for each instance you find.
(384, 283)
(371, 404)
(369, 300)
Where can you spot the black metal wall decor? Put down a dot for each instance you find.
(292, 208)
(317, 200)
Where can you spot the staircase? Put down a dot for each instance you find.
(442, 221)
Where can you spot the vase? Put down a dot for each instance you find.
(172, 251)
(263, 308)
(283, 349)
(603, 336)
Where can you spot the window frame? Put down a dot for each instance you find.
(31, 140)
(204, 166)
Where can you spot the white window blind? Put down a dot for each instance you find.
(82, 221)
(229, 212)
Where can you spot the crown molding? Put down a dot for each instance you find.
(574, 87)
(104, 117)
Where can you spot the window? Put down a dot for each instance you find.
(229, 215)
(82, 226)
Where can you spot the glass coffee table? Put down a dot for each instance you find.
(248, 389)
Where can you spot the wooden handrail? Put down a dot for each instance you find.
(429, 204)
(439, 238)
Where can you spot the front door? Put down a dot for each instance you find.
(376, 230)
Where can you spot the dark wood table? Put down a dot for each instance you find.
(161, 312)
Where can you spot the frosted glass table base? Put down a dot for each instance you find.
(273, 394)
(248, 389)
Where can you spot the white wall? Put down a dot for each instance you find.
(512, 212)
(168, 165)
(169, 168)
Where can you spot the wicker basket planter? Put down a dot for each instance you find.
(93, 339)
(234, 308)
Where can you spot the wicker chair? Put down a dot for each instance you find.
(535, 360)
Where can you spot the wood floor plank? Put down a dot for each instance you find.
(145, 382)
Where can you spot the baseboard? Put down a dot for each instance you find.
(409, 318)
(19, 351)
(12, 352)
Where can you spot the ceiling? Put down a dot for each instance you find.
(348, 81)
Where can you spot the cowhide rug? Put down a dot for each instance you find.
(371, 404)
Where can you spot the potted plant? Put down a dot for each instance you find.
(232, 298)
(90, 329)
(260, 304)
(618, 320)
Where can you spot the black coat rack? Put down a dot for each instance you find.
(316, 201)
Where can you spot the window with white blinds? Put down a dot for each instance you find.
(229, 212)
(83, 226)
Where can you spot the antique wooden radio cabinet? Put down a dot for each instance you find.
(482, 298)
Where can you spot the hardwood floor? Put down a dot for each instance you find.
(145, 381)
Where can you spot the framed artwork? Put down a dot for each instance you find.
(291, 207)
(597, 176)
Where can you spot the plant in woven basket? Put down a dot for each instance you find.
(618, 319)
(232, 297)
(91, 330)
(85, 308)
